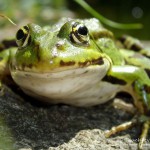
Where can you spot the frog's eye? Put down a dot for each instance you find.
(22, 36)
(79, 34)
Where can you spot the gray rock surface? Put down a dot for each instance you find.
(26, 124)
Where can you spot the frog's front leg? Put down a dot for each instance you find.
(5, 59)
(138, 85)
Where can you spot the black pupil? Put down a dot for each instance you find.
(83, 30)
(20, 34)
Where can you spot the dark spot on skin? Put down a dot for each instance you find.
(122, 38)
(98, 61)
(148, 72)
(82, 64)
(69, 63)
(37, 52)
(114, 80)
(141, 88)
(146, 56)
(136, 47)
(60, 46)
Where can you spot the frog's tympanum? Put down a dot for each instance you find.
(78, 62)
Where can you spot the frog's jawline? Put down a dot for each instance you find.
(79, 87)
(63, 65)
(98, 61)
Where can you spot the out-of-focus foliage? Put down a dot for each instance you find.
(43, 12)
(130, 11)
(106, 21)
(34, 10)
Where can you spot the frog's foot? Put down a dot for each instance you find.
(121, 104)
(126, 125)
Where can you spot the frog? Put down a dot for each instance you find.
(78, 62)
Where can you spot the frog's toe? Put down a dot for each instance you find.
(146, 127)
(142, 119)
(120, 127)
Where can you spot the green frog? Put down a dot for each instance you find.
(78, 62)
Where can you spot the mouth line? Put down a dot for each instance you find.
(63, 65)
(98, 61)
(56, 74)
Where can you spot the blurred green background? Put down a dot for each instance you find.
(46, 12)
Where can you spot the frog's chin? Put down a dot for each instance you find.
(62, 85)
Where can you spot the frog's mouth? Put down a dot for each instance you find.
(93, 70)
(61, 66)
(86, 63)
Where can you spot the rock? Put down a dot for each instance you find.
(28, 124)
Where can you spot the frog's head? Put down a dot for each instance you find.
(59, 63)
(47, 50)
